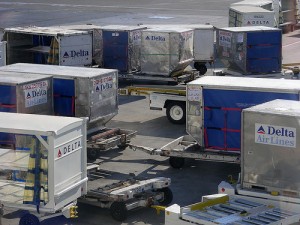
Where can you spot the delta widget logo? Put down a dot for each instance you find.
(275, 135)
(261, 130)
(76, 54)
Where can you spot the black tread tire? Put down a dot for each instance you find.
(92, 154)
(201, 67)
(29, 219)
(122, 147)
(168, 196)
(176, 162)
(168, 112)
(118, 211)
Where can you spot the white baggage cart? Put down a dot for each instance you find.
(36, 179)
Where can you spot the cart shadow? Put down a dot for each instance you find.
(128, 99)
(158, 127)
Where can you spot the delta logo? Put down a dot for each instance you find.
(261, 130)
(155, 38)
(275, 135)
(76, 54)
(275, 130)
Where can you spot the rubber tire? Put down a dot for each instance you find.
(176, 162)
(168, 196)
(122, 147)
(201, 67)
(29, 219)
(92, 154)
(118, 211)
(170, 106)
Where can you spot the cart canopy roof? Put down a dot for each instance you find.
(250, 9)
(49, 31)
(14, 78)
(247, 83)
(55, 70)
(278, 107)
(37, 124)
(249, 29)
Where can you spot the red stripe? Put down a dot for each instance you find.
(231, 109)
(8, 106)
(205, 137)
(230, 130)
(224, 149)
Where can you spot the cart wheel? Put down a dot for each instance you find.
(168, 196)
(29, 219)
(201, 67)
(176, 112)
(176, 162)
(122, 147)
(118, 211)
(92, 154)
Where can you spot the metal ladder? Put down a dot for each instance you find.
(240, 212)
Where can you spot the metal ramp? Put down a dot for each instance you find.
(239, 212)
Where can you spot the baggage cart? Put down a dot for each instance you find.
(48, 45)
(121, 196)
(91, 92)
(214, 106)
(36, 178)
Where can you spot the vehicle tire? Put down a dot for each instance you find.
(176, 162)
(118, 211)
(29, 219)
(201, 67)
(168, 196)
(122, 147)
(92, 154)
(176, 112)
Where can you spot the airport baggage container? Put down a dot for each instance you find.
(121, 47)
(24, 93)
(3, 53)
(271, 131)
(54, 167)
(166, 51)
(214, 106)
(48, 45)
(241, 16)
(250, 50)
(90, 92)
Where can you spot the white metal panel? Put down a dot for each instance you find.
(42, 124)
(3, 53)
(247, 83)
(76, 50)
(50, 31)
(57, 71)
(203, 44)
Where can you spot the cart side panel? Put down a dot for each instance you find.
(76, 50)
(15, 43)
(155, 53)
(215, 113)
(104, 97)
(35, 97)
(270, 143)
(69, 166)
(3, 53)
(203, 44)
(64, 98)
(115, 50)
